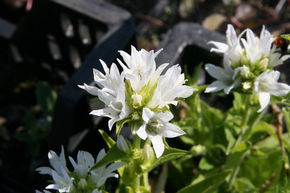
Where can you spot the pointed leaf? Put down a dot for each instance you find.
(114, 154)
(207, 185)
(109, 141)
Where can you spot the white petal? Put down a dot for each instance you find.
(280, 89)
(264, 99)
(147, 114)
(90, 89)
(215, 86)
(141, 132)
(165, 116)
(105, 67)
(158, 145)
(101, 155)
(170, 130)
(216, 72)
(44, 170)
(220, 47)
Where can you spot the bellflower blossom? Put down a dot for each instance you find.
(266, 85)
(248, 65)
(155, 126)
(141, 85)
(82, 177)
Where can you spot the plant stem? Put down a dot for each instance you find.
(244, 127)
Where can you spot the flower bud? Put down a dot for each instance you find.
(263, 64)
(137, 100)
(247, 85)
(245, 71)
(82, 183)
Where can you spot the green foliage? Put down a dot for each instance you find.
(37, 128)
(240, 141)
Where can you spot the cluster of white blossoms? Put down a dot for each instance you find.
(83, 178)
(248, 65)
(141, 95)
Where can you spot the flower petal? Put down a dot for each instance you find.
(215, 86)
(158, 145)
(170, 130)
(141, 132)
(264, 99)
(217, 72)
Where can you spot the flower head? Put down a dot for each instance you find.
(82, 177)
(248, 65)
(141, 87)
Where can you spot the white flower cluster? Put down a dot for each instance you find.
(83, 178)
(141, 94)
(248, 64)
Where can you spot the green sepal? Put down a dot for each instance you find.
(109, 141)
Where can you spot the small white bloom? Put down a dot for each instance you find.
(140, 67)
(170, 87)
(251, 49)
(111, 91)
(62, 181)
(266, 85)
(155, 127)
(84, 162)
(82, 177)
(226, 78)
(232, 50)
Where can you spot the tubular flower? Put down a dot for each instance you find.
(248, 63)
(83, 178)
(266, 85)
(155, 126)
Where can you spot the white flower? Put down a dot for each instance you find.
(226, 78)
(232, 50)
(140, 67)
(62, 181)
(83, 177)
(266, 85)
(155, 127)
(251, 50)
(170, 87)
(111, 91)
(84, 162)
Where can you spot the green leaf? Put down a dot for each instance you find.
(204, 165)
(109, 141)
(46, 97)
(169, 154)
(285, 36)
(207, 185)
(114, 154)
(243, 146)
(230, 138)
